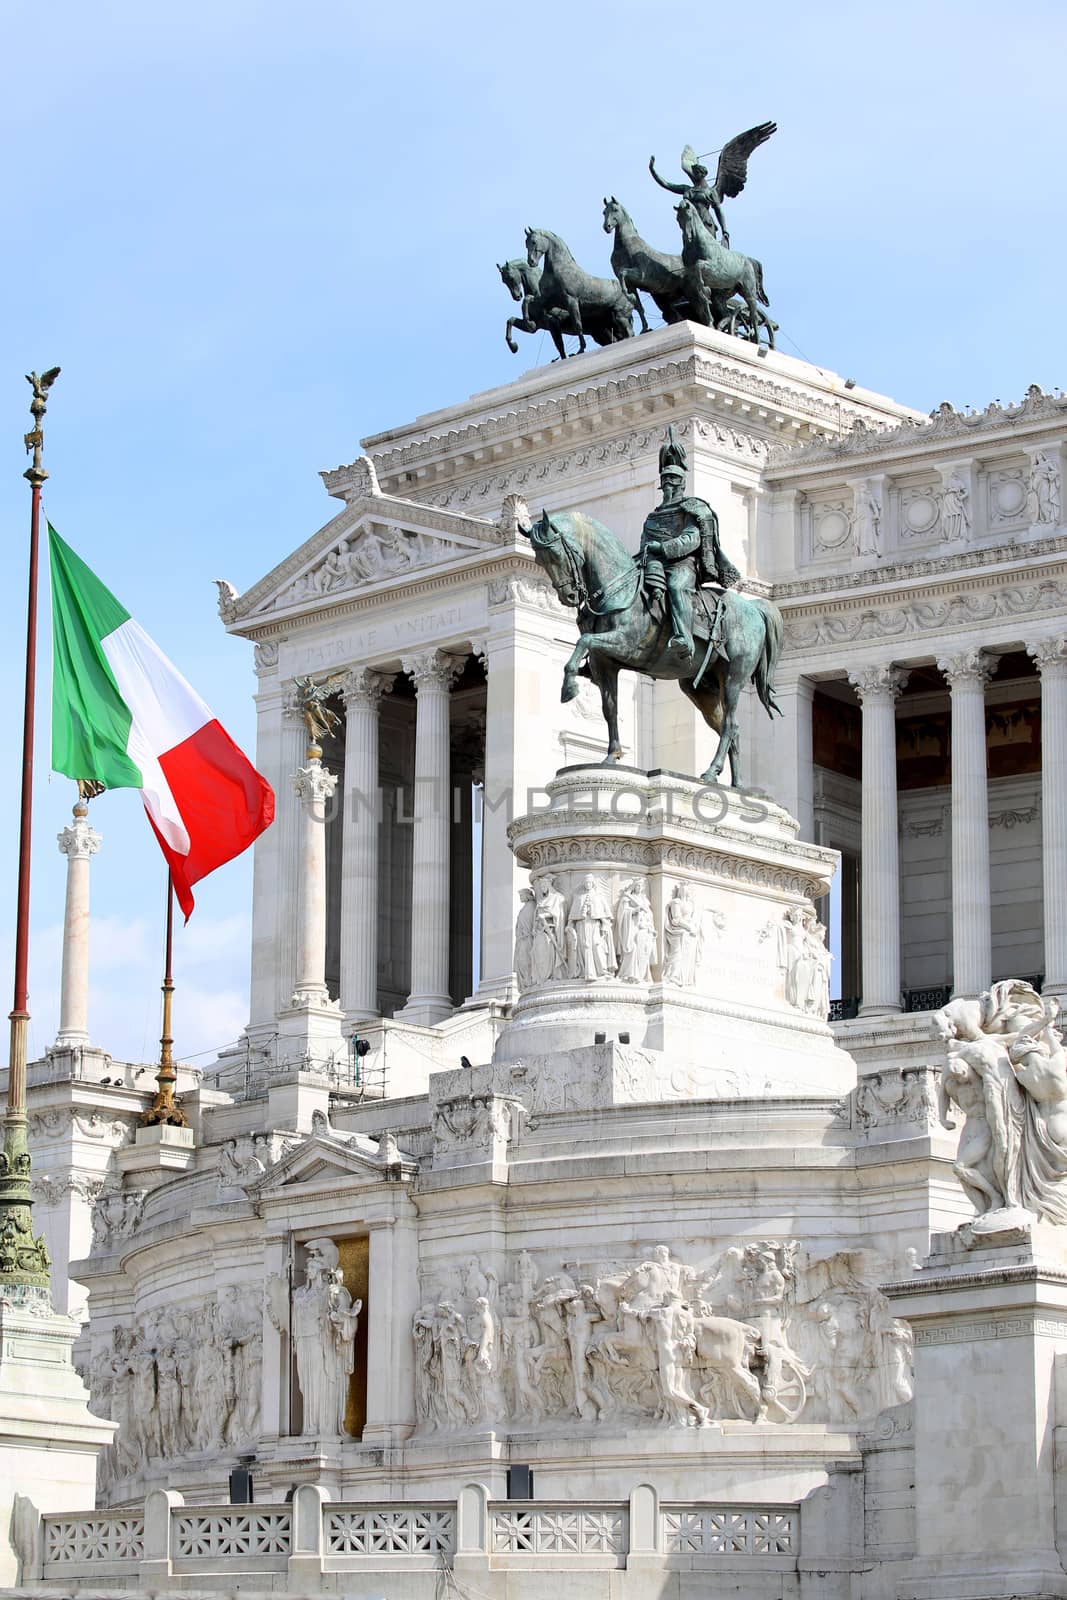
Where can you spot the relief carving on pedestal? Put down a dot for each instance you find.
(804, 959)
(765, 1332)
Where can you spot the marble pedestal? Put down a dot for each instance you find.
(730, 1012)
(49, 1441)
(989, 1317)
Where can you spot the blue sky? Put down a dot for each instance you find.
(252, 233)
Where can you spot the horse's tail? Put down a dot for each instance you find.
(763, 673)
(761, 293)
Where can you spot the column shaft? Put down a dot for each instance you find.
(878, 688)
(1051, 658)
(429, 1000)
(359, 868)
(792, 777)
(314, 786)
(972, 943)
(78, 843)
(289, 825)
(522, 752)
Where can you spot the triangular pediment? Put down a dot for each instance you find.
(378, 541)
(319, 1163)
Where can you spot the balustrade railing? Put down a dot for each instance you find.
(313, 1534)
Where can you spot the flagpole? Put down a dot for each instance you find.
(24, 1258)
(165, 1109)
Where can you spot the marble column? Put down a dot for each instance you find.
(288, 825)
(362, 691)
(429, 1000)
(78, 843)
(314, 785)
(789, 777)
(523, 659)
(972, 939)
(1050, 656)
(878, 688)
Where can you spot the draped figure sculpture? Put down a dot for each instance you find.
(1007, 1073)
(325, 1319)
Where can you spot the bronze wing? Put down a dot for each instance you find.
(733, 159)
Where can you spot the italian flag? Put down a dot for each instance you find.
(124, 716)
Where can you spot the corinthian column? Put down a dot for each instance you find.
(77, 843)
(972, 939)
(314, 785)
(429, 1000)
(878, 688)
(362, 691)
(1050, 656)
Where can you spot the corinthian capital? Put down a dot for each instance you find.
(360, 687)
(881, 682)
(79, 841)
(1048, 654)
(314, 784)
(436, 669)
(968, 667)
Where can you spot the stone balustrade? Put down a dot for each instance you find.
(315, 1537)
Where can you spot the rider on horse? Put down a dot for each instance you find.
(680, 547)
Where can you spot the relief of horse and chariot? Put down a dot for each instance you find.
(707, 282)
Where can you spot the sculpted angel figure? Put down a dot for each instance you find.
(730, 178)
(319, 718)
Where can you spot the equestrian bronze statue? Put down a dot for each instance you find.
(671, 612)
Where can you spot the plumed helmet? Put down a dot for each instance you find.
(672, 457)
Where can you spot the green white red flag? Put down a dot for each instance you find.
(124, 716)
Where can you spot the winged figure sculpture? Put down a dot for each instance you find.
(730, 177)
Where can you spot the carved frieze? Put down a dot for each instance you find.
(916, 617)
(763, 1331)
(180, 1381)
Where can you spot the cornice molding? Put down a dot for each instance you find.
(779, 403)
(875, 580)
(945, 425)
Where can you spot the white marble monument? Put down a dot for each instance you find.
(745, 1240)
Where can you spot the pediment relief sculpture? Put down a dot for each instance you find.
(373, 553)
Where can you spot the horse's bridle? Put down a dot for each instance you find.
(586, 601)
